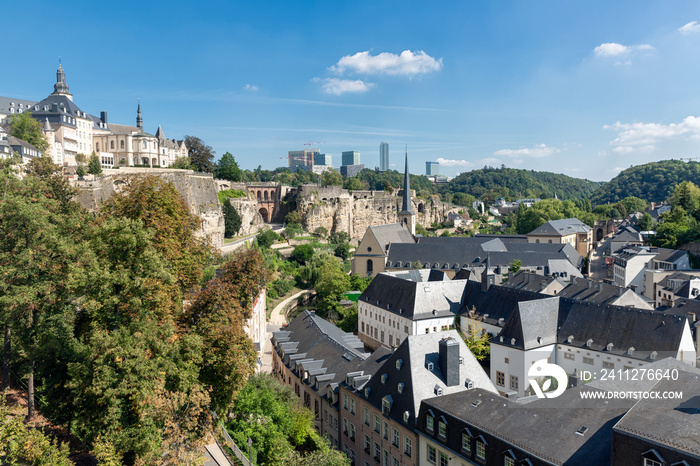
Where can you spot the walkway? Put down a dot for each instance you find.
(233, 245)
(277, 320)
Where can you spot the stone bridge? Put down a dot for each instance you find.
(268, 196)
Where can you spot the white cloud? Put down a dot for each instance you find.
(611, 49)
(250, 87)
(643, 136)
(628, 149)
(407, 63)
(453, 162)
(540, 150)
(337, 86)
(690, 28)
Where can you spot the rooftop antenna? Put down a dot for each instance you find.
(59, 61)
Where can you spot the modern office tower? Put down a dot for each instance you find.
(383, 156)
(350, 171)
(432, 168)
(323, 159)
(300, 158)
(351, 157)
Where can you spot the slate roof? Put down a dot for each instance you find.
(669, 255)
(528, 281)
(6, 101)
(415, 300)
(563, 227)
(498, 302)
(544, 429)
(673, 423)
(391, 234)
(419, 383)
(126, 129)
(533, 324)
(593, 291)
(314, 344)
(627, 236)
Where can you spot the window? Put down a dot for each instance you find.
(649, 462)
(608, 365)
(587, 360)
(571, 356)
(429, 423)
(394, 461)
(407, 446)
(481, 450)
(366, 416)
(386, 431)
(386, 458)
(122, 144)
(352, 405)
(345, 427)
(431, 454)
(500, 379)
(444, 461)
(368, 443)
(513, 382)
(386, 405)
(345, 401)
(466, 442)
(507, 361)
(352, 431)
(508, 461)
(395, 437)
(442, 429)
(111, 144)
(377, 424)
(377, 451)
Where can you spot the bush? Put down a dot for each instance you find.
(342, 251)
(292, 230)
(302, 254)
(338, 237)
(266, 239)
(234, 193)
(321, 232)
(293, 217)
(272, 293)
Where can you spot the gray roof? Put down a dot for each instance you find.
(528, 281)
(415, 300)
(533, 324)
(496, 303)
(126, 129)
(544, 429)
(419, 382)
(390, 234)
(669, 255)
(672, 423)
(5, 104)
(563, 227)
(596, 292)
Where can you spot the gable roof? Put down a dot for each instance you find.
(527, 281)
(390, 234)
(416, 352)
(498, 302)
(533, 324)
(596, 292)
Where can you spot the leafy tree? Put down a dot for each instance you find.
(302, 253)
(321, 232)
(81, 158)
(353, 184)
(80, 171)
(332, 284)
(201, 155)
(477, 339)
(293, 217)
(331, 178)
(292, 230)
(24, 127)
(359, 283)
(182, 163)
(420, 230)
(338, 237)
(342, 250)
(160, 206)
(387, 187)
(227, 168)
(266, 239)
(217, 315)
(232, 221)
(646, 223)
(634, 204)
(326, 456)
(21, 444)
(514, 266)
(687, 196)
(94, 166)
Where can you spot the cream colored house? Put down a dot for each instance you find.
(569, 230)
(370, 255)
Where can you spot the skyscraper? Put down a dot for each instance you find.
(351, 157)
(432, 168)
(383, 156)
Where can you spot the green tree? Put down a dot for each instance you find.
(359, 283)
(332, 284)
(342, 250)
(353, 184)
(160, 206)
(24, 127)
(515, 266)
(80, 171)
(292, 230)
(227, 168)
(321, 232)
(293, 217)
(420, 230)
(687, 196)
(232, 221)
(94, 166)
(338, 237)
(302, 253)
(387, 187)
(646, 223)
(182, 163)
(477, 339)
(331, 178)
(634, 204)
(201, 155)
(267, 238)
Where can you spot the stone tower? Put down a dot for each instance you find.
(406, 216)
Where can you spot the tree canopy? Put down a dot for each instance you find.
(201, 155)
(24, 127)
(227, 168)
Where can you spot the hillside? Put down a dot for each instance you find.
(652, 181)
(513, 183)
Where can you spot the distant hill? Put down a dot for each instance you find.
(513, 183)
(652, 181)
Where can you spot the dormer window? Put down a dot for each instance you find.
(400, 388)
(387, 401)
(589, 342)
(399, 362)
(430, 366)
(383, 379)
(406, 416)
(442, 427)
(367, 392)
(430, 421)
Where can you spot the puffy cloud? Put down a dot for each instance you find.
(453, 162)
(690, 28)
(643, 136)
(628, 149)
(611, 49)
(250, 87)
(407, 63)
(540, 150)
(337, 86)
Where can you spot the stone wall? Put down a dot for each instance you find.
(337, 209)
(251, 220)
(199, 192)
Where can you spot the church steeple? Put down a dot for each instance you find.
(139, 120)
(406, 216)
(61, 88)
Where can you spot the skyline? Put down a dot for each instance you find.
(584, 90)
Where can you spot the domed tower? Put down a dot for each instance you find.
(61, 88)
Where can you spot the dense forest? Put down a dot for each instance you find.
(653, 181)
(511, 183)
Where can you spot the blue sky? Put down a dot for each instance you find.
(581, 88)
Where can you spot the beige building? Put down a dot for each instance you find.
(370, 255)
(569, 230)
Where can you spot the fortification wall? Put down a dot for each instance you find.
(251, 220)
(199, 192)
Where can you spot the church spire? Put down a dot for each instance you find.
(406, 216)
(139, 120)
(61, 88)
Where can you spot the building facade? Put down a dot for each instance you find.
(383, 156)
(432, 168)
(351, 157)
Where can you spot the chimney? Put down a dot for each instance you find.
(449, 361)
(589, 284)
(573, 279)
(620, 291)
(103, 117)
